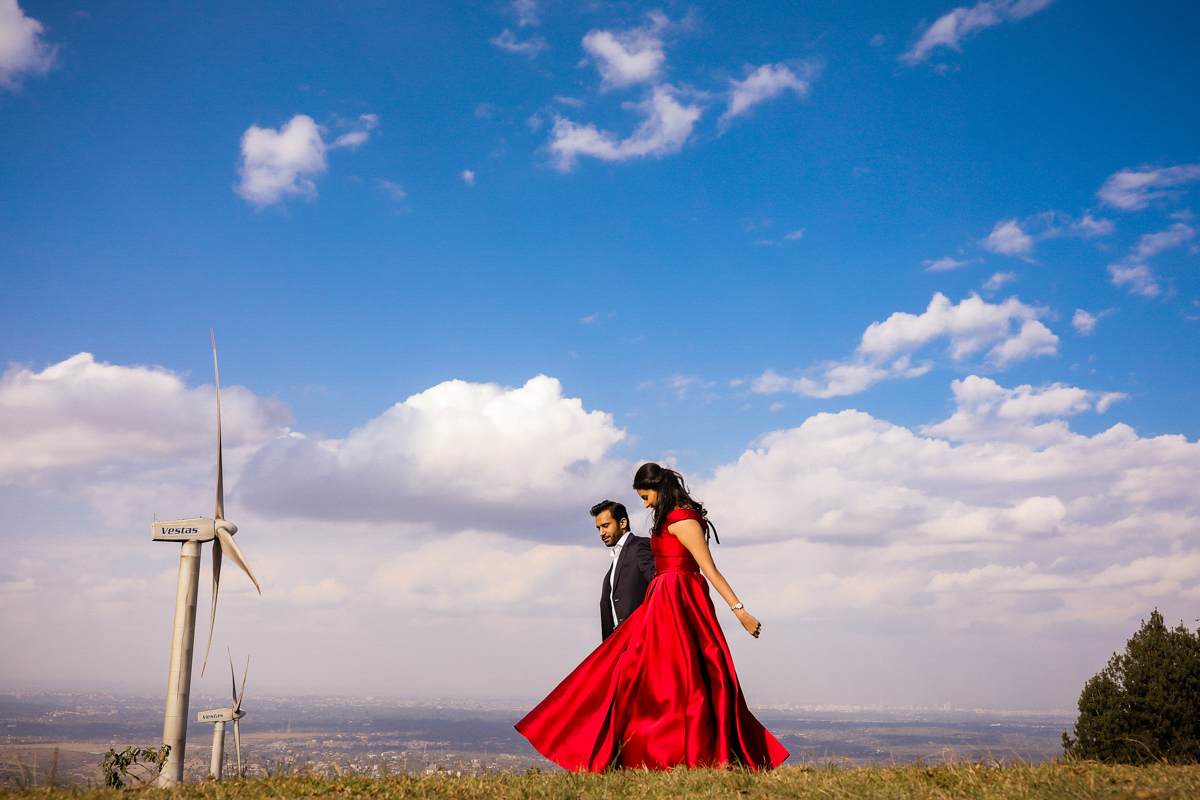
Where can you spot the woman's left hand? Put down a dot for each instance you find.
(752, 626)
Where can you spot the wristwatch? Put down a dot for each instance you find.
(737, 607)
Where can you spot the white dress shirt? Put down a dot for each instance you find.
(612, 575)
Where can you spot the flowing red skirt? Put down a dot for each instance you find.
(661, 692)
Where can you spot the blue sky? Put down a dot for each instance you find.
(687, 215)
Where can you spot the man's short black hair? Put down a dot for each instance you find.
(616, 509)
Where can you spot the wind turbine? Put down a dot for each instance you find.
(220, 716)
(192, 533)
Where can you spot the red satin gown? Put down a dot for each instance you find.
(661, 691)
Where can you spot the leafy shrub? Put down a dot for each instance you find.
(1145, 705)
(116, 765)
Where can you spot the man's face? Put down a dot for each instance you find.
(610, 531)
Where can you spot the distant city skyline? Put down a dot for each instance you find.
(909, 292)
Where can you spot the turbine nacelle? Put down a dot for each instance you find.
(196, 529)
(220, 715)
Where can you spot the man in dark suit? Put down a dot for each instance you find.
(625, 582)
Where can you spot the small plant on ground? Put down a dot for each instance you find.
(116, 765)
(1145, 705)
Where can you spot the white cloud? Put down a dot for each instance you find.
(631, 57)
(130, 441)
(1151, 244)
(1033, 340)
(1008, 239)
(526, 11)
(474, 573)
(352, 140)
(1132, 190)
(1085, 322)
(987, 411)
(1001, 515)
(887, 347)
(627, 59)
(276, 163)
(456, 454)
(468, 177)
(878, 40)
(394, 189)
(971, 326)
(838, 379)
(79, 416)
(23, 51)
(951, 29)
(1017, 237)
(1138, 277)
(795, 235)
(997, 280)
(666, 126)
(684, 384)
(765, 83)
(944, 264)
(1135, 273)
(1089, 227)
(507, 40)
(359, 136)
(888, 514)
(839, 533)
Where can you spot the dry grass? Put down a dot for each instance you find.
(962, 780)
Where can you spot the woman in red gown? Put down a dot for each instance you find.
(661, 691)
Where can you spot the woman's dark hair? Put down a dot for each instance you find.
(672, 494)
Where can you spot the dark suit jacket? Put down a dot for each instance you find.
(635, 568)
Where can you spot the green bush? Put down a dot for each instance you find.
(1145, 705)
(116, 765)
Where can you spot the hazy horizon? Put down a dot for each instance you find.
(517, 704)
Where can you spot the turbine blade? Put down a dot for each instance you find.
(220, 467)
(233, 679)
(235, 554)
(243, 692)
(212, 620)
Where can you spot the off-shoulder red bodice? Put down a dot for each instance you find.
(669, 553)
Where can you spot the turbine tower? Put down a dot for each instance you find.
(192, 533)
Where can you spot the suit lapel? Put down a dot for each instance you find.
(620, 562)
(616, 573)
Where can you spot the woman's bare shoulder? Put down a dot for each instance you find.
(684, 525)
(681, 514)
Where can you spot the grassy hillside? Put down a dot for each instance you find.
(1052, 780)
